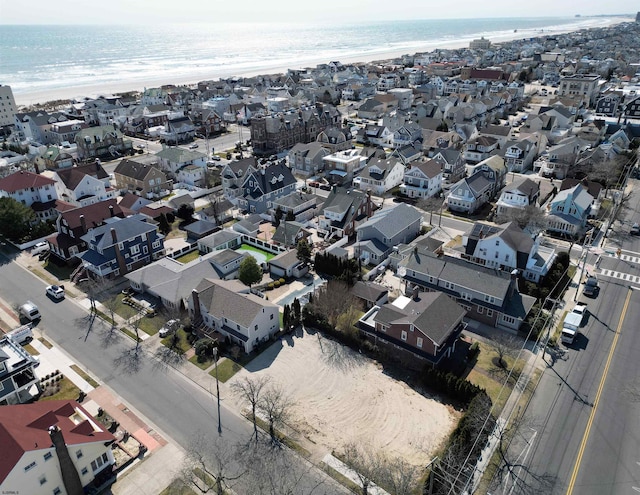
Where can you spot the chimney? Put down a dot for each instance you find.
(196, 304)
(70, 477)
(513, 285)
(111, 214)
(114, 236)
(83, 223)
(416, 294)
(369, 208)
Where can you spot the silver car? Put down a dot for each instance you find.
(168, 328)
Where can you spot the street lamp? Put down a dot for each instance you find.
(215, 356)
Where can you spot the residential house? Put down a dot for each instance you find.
(584, 86)
(83, 185)
(133, 202)
(200, 229)
(495, 170)
(53, 447)
(507, 247)
(174, 158)
(500, 133)
(33, 190)
(224, 239)
(632, 109)
(301, 205)
(244, 319)
(289, 233)
(489, 296)
(342, 166)
(306, 159)
(56, 157)
(376, 135)
(178, 130)
(380, 175)
(469, 194)
(424, 327)
(479, 149)
(261, 187)
(62, 132)
(560, 157)
(30, 126)
(219, 210)
(120, 246)
(17, 375)
(422, 179)
(250, 225)
(71, 225)
(452, 163)
(408, 154)
(595, 189)
(343, 211)
(102, 141)
(386, 229)
(143, 179)
(569, 210)
(519, 155)
(234, 174)
(407, 134)
(519, 194)
(370, 294)
(287, 265)
(335, 139)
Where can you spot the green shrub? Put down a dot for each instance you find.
(276, 284)
(473, 351)
(204, 347)
(282, 281)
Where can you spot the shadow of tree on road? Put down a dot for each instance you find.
(166, 358)
(130, 362)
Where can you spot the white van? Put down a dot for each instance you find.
(30, 311)
(21, 335)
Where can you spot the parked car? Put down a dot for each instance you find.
(215, 158)
(168, 328)
(40, 247)
(635, 229)
(590, 286)
(55, 291)
(193, 146)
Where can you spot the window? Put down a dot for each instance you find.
(480, 310)
(30, 466)
(497, 243)
(42, 479)
(271, 317)
(48, 456)
(78, 454)
(509, 319)
(419, 342)
(403, 336)
(256, 328)
(135, 249)
(84, 471)
(121, 246)
(56, 491)
(489, 313)
(145, 249)
(97, 464)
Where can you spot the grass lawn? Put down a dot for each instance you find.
(193, 255)
(86, 377)
(177, 487)
(60, 272)
(226, 369)
(45, 342)
(202, 365)
(122, 309)
(183, 343)
(248, 247)
(31, 350)
(151, 326)
(67, 391)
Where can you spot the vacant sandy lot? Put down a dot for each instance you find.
(341, 397)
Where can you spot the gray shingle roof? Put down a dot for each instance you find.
(125, 228)
(391, 221)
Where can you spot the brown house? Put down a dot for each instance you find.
(424, 327)
(143, 179)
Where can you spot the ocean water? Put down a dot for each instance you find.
(40, 59)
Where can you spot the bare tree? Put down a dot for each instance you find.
(250, 389)
(275, 404)
(333, 299)
(505, 346)
(365, 464)
(530, 218)
(210, 465)
(431, 204)
(401, 477)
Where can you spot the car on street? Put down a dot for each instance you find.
(590, 286)
(193, 146)
(55, 291)
(215, 158)
(168, 328)
(580, 309)
(635, 229)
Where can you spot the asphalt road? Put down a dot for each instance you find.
(586, 408)
(176, 405)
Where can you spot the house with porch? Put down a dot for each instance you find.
(424, 327)
(102, 141)
(17, 373)
(519, 155)
(452, 163)
(242, 318)
(343, 211)
(569, 210)
(53, 447)
(263, 186)
(380, 175)
(234, 174)
(469, 194)
(519, 194)
(301, 205)
(34, 190)
(83, 185)
(422, 179)
(141, 178)
(120, 246)
(172, 158)
(489, 296)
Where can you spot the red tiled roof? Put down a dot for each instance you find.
(23, 180)
(94, 214)
(24, 428)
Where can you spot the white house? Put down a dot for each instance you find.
(519, 194)
(469, 194)
(245, 319)
(569, 210)
(173, 158)
(380, 175)
(82, 185)
(422, 179)
(28, 188)
(39, 440)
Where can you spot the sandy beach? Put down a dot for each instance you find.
(193, 76)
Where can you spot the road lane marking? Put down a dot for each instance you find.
(594, 409)
(620, 275)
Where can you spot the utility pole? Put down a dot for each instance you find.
(584, 263)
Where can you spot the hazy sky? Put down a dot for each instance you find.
(153, 11)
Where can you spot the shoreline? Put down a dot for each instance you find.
(193, 77)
